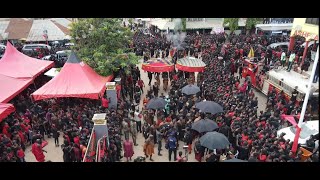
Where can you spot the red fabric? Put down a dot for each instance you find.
(18, 65)
(175, 77)
(23, 139)
(296, 140)
(189, 69)
(5, 110)
(262, 157)
(289, 118)
(38, 153)
(74, 80)
(157, 67)
(105, 102)
(10, 86)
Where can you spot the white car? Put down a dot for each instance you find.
(307, 128)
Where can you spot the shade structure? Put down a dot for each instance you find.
(18, 65)
(10, 87)
(204, 125)
(214, 140)
(190, 89)
(234, 160)
(158, 65)
(190, 64)
(76, 79)
(156, 103)
(5, 110)
(209, 107)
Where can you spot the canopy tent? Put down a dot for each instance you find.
(158, 65)
(10, 87)
(5, 110)
(76, 79)
(17, 65)
(275, 27)
(190, 64)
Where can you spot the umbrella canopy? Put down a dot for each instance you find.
(234, 160)
(190, 64)
(204, 125)
(214, 140)
(190, 89)
(156, 103)
(209, 107)
(158, 65)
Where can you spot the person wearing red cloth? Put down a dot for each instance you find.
(76, 140)
(21, 155)
(38, 151)
(105, 102)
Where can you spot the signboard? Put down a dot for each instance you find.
(307, 35)
(111, 85)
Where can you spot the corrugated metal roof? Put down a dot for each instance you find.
(18, 28)
(37, 31)
(3, 27)
(62, 21)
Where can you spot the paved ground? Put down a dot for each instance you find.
(55, 153)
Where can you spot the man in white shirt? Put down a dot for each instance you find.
(137, 118)
(283, 58)
(291, 59)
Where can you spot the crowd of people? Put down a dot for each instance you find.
(252, 134)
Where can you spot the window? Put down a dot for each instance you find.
(314, 21)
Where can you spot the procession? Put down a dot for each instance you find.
(160, 94)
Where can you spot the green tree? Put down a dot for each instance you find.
(232, 23)
(184, 24)
(103, 44)
(251, 24)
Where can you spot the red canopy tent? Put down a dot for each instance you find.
(10, 87)
(5, 110)
(18, 65)
(76, 79)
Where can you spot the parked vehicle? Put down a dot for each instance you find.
(32, 47)
(282, 45)
(307, 129)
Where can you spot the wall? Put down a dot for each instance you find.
(313, 30)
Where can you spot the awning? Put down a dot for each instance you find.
(274, 27)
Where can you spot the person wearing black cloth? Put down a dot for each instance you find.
(155, 89)
(150, 77)
(294, 95)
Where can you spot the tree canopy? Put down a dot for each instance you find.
(232, 23)
(103, 43)
(252, 22)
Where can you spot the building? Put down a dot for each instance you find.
(307, 28)
(34, 30)
(192, 24)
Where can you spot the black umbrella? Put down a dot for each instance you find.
(190, 89)
(209, 107)
(204, 125)
(234, 160)
(156, 103)
(214, 140)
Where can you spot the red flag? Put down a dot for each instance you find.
(290, 118)
(296, 140)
